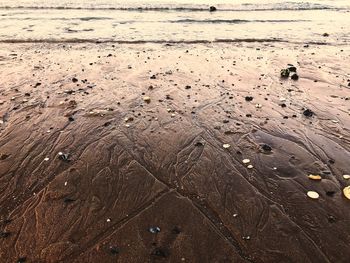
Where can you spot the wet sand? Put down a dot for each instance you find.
(115, 153)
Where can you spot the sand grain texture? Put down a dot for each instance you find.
(165, 165)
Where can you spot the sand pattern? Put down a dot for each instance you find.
(116, 153)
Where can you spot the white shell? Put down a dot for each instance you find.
(313, 194)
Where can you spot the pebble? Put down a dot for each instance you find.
(250, 166)
(245, 161)
(154, 229)
(147, 99)
(212, 9)
(226, 145)
(266, 147)
(46, 159)
(294, 76)
(308, 113)
(285, 73)
(313, 194)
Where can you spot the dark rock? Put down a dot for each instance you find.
(212, 9)
(160, 252)
(294, 76)
(74, 80)
(21, 260)
(285, 73)
(331, 219)
(325, 34)
(199, 144)
(70, 118)
(188, 87)
(114, 250)
(308, 113)
(64, 157)
(249, 98)
(292, 68)
(266, 147)
(153, 77)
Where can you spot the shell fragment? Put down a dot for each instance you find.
(313, 194)
(346, 192)
(314, 177)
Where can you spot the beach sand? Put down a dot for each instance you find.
(134, 153)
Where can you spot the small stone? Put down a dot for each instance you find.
(266, 147)
(258, 106)
(226, 145)
(21, 260)
(46, 159)
(63, 156)
(154, 229)
(294, 76)
(291, 68)
(114, 250)
(249, 98)
(250, 166)
(325, 34)
(285, 73)
(313, 194)
(212, 9)
(147, 99)
(199, 144)
(314, 177)
(308, 113)
(108, 220)
(74, 80)
(245, 161)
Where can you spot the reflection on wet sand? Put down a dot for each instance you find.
(174, 152)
